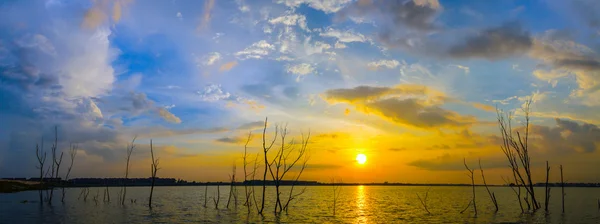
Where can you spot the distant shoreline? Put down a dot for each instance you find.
(16, 185)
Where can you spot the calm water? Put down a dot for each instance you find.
(357, 204)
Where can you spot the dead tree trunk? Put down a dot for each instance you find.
(516, 150)
(73, 154)
(471, 175)
(231, 186)
(56, 161)
(154, 168)
(267, 165)
(130, 148)
(562, 188)
(218, 197)
(547, 189)
(424, 201)
(247, 191)
(41, 157)
(492, 195)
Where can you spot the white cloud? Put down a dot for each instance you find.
(339, 45)
(375, 65)
(328, 6)
(464, 68)
(179, 15)
(291, 20)
(88, 71)
(256, 50)
(317, 47)
(300, 70)
(344, 36)
(211, 58)
(213, 93)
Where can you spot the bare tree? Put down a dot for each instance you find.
(232, 189)
(286, 158)
(516, 191)
(205, 194)
(336, 192)
(247, 191)
(218, 197)
(562, 188)
(130, 148)
(41, 157)
(73, 154)
(56, 161)
(547, 201)
(266, 162)
(492, 195)
(254, 169)
(516, 150)
(302, 153)
(471, 175)
(424, 200)
(154, 168)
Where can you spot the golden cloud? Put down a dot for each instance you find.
(411, 105)
(228, 66)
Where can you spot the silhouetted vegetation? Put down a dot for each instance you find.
(73, 154)
(130, 148)
(336, 193)
(547, 189)
(472, 176)
(491, 194)
(154, 169)
(516, 150)
(424, 200)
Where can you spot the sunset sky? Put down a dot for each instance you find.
(413, 84)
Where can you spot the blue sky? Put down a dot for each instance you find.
(409, 82)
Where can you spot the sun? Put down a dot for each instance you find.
(361, 158)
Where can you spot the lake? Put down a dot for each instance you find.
(357, 204)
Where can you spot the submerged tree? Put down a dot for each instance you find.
(547, 201)
(56, 161)
(336, 192)
(266, 162)
(491, 194)
(472, 176)
(154, 168)
(130, 148)
(424, 200)
(73, 154)
(288, 155)
(232, 189)
(516, 149)
(247, 191)
(41, 157)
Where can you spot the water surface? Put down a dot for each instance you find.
(357, 204)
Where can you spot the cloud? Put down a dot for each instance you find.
(339, 45)
(344, 36)
(484, 107)
(410, 105)
(300, 70)
(252, 125)
(414, 14)
(291, 20)
(327, 6)
(211, 58)
(495, 43)
(98, 14)
(168, 116)
(228, 66)
(448, 162)
(397, 149)
(317, 47)
(376, 65)
(566, 136)
(213, 93)
(231, 140)
(256, 50)
(206, 14)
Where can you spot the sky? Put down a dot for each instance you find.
(413, 84)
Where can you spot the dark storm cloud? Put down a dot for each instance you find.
(505, 41)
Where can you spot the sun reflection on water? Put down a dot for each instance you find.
(361, 205)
